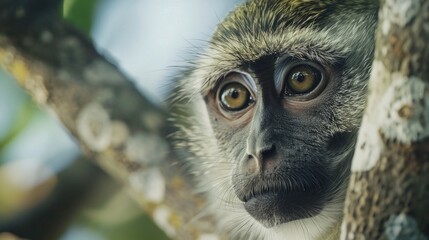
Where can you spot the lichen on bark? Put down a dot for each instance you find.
(390, 175)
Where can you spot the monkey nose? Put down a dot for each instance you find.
(261, 160)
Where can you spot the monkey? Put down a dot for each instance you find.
(275, 105)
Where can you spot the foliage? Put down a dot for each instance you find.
(80, 13)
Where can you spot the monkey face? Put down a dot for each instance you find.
(273, 114)
(277, 100)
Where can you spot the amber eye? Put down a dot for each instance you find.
(235, 97)
(302, 79)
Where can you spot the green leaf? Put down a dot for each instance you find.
(80, 13)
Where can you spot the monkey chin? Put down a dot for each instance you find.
(274, 208)
(302, 193)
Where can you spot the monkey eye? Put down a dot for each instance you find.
(302, 79)
(235, 96)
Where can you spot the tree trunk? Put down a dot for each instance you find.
(388, 196)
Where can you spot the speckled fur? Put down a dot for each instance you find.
(330, 32)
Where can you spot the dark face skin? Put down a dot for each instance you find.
(272, 115)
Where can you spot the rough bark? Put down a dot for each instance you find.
(114, 124)
(388, 196)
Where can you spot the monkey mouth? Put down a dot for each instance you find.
(259, 191)
(274, 204)
(274, 208)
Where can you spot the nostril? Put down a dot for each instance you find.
(268, 152)
(263, 159)
(268, 159)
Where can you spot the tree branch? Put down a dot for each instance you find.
(114, 124)
(389, 188)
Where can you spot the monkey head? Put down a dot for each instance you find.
(277, 100)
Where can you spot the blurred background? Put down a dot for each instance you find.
(47, 190)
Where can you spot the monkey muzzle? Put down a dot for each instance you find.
(285, 196)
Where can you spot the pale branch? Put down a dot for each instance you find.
(114, 124)
(389, 188)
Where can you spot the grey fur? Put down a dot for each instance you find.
(333, 33)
